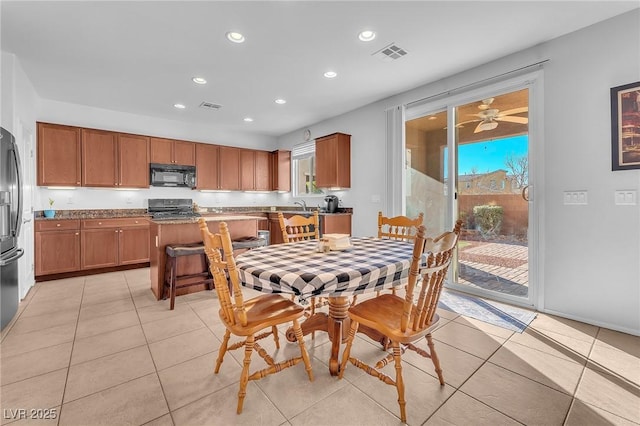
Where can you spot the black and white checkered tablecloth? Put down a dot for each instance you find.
(371, 264)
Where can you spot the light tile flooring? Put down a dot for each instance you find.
(101, 350)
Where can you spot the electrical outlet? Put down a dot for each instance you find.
(626, 198)
(129, 200)
(70, 200)
(575, 197)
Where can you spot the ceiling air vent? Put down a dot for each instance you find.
(210, 105)
(390, 53)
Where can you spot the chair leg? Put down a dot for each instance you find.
(274, 331)
(399, 382)
(244, 377)
(313, 311)
(303, 349)
(435, 359)
(223, 350)
(174, 278)
(347, 350)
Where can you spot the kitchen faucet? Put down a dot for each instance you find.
(302, 204)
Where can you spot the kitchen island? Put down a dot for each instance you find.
(186, 231)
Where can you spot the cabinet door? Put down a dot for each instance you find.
(262, 176)
(99, 248)
(333, 162)
(59, 161)
(207, 166)
(134, 245)
(281, 171)
(57, 251)
(229, 168)
(184, 153)
(336, 224)
(161, 150)
(99, 158)
(275, 232)
(247, 170)
(133, 161)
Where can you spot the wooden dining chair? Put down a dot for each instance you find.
(246, 318)
(405, 321)
(299, 228)
(401, 228)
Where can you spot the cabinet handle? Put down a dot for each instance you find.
(136, 221)
(121, 231)
(99, 223)
(57, 224)
(77, 233)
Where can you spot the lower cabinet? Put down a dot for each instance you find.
(114, 242)
(57, 246)
(73, 244)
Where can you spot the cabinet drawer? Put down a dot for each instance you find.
(114, 223)
(57, 225)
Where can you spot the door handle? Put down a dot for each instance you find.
(525, 193)
(13, 258)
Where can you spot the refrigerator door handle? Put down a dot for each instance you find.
(19, 191)
(18, 254)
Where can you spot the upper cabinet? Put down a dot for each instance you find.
(229, 162)
(207, 166)
(112, 159)
(281, 171)
(255, 169)
(169, 151)
(59, 160)
(333, 161)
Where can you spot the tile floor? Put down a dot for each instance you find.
(101, 350)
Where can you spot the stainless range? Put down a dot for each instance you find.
(171, 208)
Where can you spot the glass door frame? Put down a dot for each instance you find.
(449, 102)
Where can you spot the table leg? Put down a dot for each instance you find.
(338, 329)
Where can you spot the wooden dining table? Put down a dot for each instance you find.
(368, 265)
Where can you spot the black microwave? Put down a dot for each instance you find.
(172, 175)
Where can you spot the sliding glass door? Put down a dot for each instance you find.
(469, 158)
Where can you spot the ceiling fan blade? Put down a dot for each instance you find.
(468, 121)
(512, 119)
(478, 128)
(515, 111)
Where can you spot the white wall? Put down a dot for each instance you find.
(589, 255)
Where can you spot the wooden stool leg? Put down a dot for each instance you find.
(174, 278)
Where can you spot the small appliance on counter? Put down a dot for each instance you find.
(331, 203)
(171, 208)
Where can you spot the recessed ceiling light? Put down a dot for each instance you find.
(179, 106)
(199, 80)
(330, 74)
(248, 119)
(367, 35)
(280, 101)
(432, 117)
(235, 37)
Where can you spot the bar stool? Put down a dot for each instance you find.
(248, 243)
(173, 280)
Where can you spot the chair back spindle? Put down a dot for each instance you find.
(398, 227)
(299, 228)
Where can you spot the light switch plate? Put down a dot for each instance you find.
(575, 197)
(626, 198)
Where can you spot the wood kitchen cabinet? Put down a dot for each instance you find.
(59, 160)
(57, 246)
(333, 161)
(207, 169)
(169, 151)
(114, 160)
(281, 171)
(114, 242)
(229, 162)
(255, 170)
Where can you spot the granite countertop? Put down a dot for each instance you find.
(208, 218)
(214, 212)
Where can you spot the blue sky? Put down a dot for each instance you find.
(489, 155)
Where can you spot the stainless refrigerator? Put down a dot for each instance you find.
(10, 221)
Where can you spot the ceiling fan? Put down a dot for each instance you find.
(489, 117)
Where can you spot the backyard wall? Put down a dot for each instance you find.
(515, 217)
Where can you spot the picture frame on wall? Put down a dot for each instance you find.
(625, 127)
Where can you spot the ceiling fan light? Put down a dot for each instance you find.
(487, 125)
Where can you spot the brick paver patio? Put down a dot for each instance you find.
(494, 266)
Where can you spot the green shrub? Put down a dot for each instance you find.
(488, 219)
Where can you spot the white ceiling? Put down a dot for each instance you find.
(139, 57)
